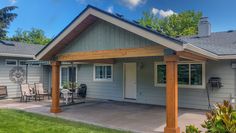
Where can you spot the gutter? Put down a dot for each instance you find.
(16, 55)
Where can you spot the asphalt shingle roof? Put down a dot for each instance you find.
(11, 47)
(220, 43)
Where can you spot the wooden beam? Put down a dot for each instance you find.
(55, 87)
(171, 94)
(115, 53)
(191, 56)
(102, 61)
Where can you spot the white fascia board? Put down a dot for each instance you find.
(16, 55)
(229, 57)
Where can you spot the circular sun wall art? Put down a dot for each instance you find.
(17, 74)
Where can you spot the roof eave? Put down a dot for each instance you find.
(16, 55)
(208, 54)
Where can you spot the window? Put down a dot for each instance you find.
(190, 74)
(22, 62)
(11, 62)
(102, 72)
(68, 74)
(35, 65)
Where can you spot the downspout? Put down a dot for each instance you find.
(26, 74)
(232, 96)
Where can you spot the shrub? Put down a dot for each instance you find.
(222, 119)
(192, 129)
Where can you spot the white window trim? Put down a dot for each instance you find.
(203, 86)
(102, 80)
(22, 61)
(11, 60)
(66, 66)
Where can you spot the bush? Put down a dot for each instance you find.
(222, 119)
(192, 129)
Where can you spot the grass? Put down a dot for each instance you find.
(16, 121)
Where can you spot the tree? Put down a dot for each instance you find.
(34, 36)
(6, 17)
(182, 24)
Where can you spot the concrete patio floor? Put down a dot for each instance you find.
(119, 115)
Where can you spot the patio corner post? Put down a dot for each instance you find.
(55, 87)
(171, 94)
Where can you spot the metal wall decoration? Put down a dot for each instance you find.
(17, 74)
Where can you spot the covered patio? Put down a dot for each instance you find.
(112, 114)
(81, 42)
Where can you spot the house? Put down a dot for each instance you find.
(17, 65)
(120, 60)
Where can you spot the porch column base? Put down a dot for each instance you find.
(55, 110)
(172, 130)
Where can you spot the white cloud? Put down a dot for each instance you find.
(166, 13)
(162, 13)
(110, 9)
(155, 11)
(131, 4)
(12, 2)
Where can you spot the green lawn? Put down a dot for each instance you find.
(15, 121)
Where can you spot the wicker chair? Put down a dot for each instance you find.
(26, 92)
(3, 91)
(40, 91)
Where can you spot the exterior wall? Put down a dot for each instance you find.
(149, 94)
(102, 36)
(46, 77)
(34, 76)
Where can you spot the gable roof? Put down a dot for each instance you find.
(18, 49)
(219, 43)
(209, 47)
(89, 15)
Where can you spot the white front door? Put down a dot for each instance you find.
(130, 81)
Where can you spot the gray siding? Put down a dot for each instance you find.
(34, 76)
(149, 94)
(46, 77)
(102, 36)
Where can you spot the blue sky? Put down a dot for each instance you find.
(53, 15)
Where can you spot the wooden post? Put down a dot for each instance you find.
(171, 94)
(55, 87)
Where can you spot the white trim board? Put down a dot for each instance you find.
(16, 55)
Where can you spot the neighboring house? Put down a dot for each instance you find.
(17, 66)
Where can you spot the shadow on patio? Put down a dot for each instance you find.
(112, 114)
